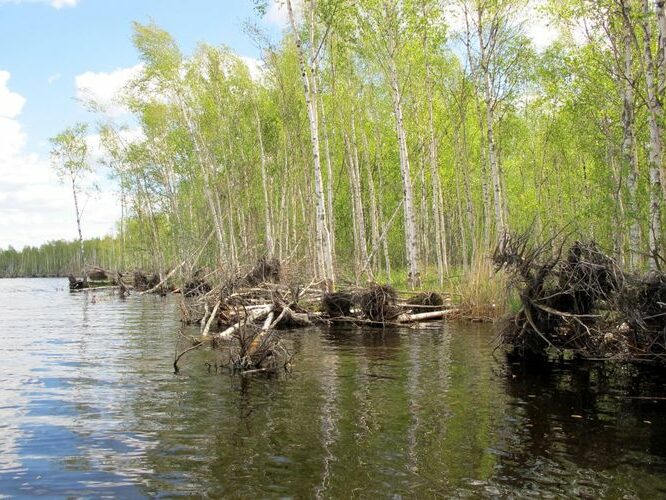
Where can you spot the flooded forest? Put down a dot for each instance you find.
(414, 250)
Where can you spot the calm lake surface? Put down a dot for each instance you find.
(89, 406)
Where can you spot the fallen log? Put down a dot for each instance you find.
(413, 318)
(255, 315)
(213, 315)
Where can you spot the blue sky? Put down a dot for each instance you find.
(50, 48)
(42, 42)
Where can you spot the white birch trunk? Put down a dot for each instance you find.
(205, 163)
(310, 93)
(437, 198)
(82, 256)
(655, 116)
(357, 195)
(329, 183)
(270, 243)
(374, 213)
(408, 196)
(629, 155)
(493, 160)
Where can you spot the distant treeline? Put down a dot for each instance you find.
(59, 258)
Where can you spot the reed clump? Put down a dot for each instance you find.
(483, 293)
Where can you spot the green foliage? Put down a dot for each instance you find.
(220, 146)
(69, 152)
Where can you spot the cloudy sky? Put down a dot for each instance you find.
(55, 52)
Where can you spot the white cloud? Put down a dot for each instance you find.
(535, 21)
(277, 12)
(104, 88)
(255, 67)
(57, 4)
(34, 206)
(539, 28)
(11, 103)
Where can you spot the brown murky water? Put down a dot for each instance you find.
(89, 407)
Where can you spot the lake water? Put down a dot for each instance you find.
(89, 406)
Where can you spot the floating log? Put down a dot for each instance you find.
(255, 315)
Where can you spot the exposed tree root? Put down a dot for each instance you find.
(579, 302)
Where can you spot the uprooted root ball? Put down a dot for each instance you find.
(252, 348)
(265, 271)
(338, 304)
(378, 303)
(581, 301)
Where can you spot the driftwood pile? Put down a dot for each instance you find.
(101, 279)
(245, 314)
(579, 303)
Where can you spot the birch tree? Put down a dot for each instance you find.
(500, 49)
(69, 158)
(383, 24)
(308, 68)
(655, 120)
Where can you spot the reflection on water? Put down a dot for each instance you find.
(88, 405)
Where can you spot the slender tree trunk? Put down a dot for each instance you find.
(660, 10)
(385, 246)
(485, 189)
(464, 255)
(435, 180)
(349, 162)
(424, 219)
(357, 194)
(123, 202)
(489, 101)
(408, 196)
(323, 242)
(329, 182)
(629, 155)
(374, 213)
(270, 243)
(463, 153)
(205, 163)
(493, 160)
(440, 248)
(655, 115)
(482, 149)
(82, 255)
